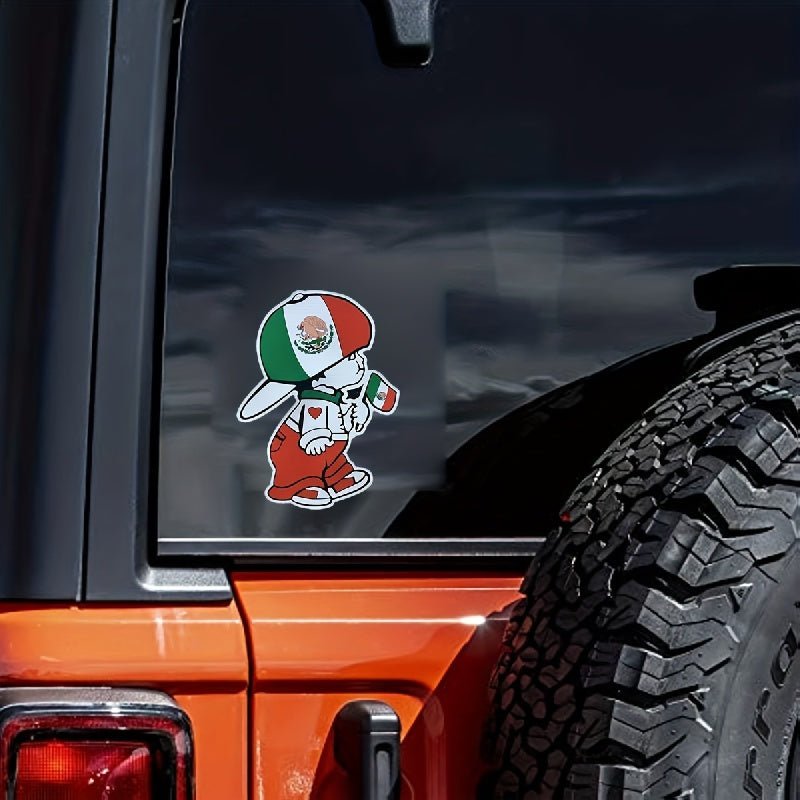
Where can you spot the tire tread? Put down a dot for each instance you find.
(625, 631)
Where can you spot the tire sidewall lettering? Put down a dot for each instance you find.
(764, 726)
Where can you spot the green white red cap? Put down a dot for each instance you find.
(300, 338)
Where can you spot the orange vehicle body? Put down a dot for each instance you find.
(262, 677)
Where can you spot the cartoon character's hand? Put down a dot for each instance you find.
(317, 446)
(348, 411)
(361, 416)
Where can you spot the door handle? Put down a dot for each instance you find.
(366, 744)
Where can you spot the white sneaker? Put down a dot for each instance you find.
(312, 498)
(361, 479)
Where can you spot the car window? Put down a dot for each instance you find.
(527, 209)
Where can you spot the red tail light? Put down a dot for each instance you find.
(131, 751)
(59, 770)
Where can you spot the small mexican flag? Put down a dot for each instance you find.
(380, 393)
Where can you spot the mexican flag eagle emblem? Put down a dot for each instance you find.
(315, 335)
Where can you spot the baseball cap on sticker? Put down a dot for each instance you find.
(300, 338)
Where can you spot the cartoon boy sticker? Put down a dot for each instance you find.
(312, 346)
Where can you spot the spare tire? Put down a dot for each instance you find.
(655, 652)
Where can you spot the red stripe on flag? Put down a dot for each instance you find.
(391, 399)
(352, 324)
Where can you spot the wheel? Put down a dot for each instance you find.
(655, 653)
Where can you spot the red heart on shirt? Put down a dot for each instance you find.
(315, 411)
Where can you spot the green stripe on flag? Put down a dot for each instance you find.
(373, 384)
(277, 355)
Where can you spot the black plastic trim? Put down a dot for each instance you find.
(118, 566)
(458, 553)
(403, 31)
(741, 293)
(366, 743)
(54, 59)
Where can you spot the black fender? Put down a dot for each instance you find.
(511, 478)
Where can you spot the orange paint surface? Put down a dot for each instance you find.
(419, 643)
(425, 645)
(195, 653)
(219, 724)
(163, 644)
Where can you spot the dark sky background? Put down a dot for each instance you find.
(529, 208)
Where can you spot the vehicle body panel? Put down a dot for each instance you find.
(197, 654)
(417, 643)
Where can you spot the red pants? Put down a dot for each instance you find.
(296, 470)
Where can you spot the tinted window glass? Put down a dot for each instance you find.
(526, 210)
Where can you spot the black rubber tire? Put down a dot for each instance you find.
(653, 654)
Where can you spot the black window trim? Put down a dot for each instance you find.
(451, 553)
(51, 161)
(120, 563)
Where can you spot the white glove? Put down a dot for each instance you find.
(347, 412)
(361, 416)
(317, 446)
